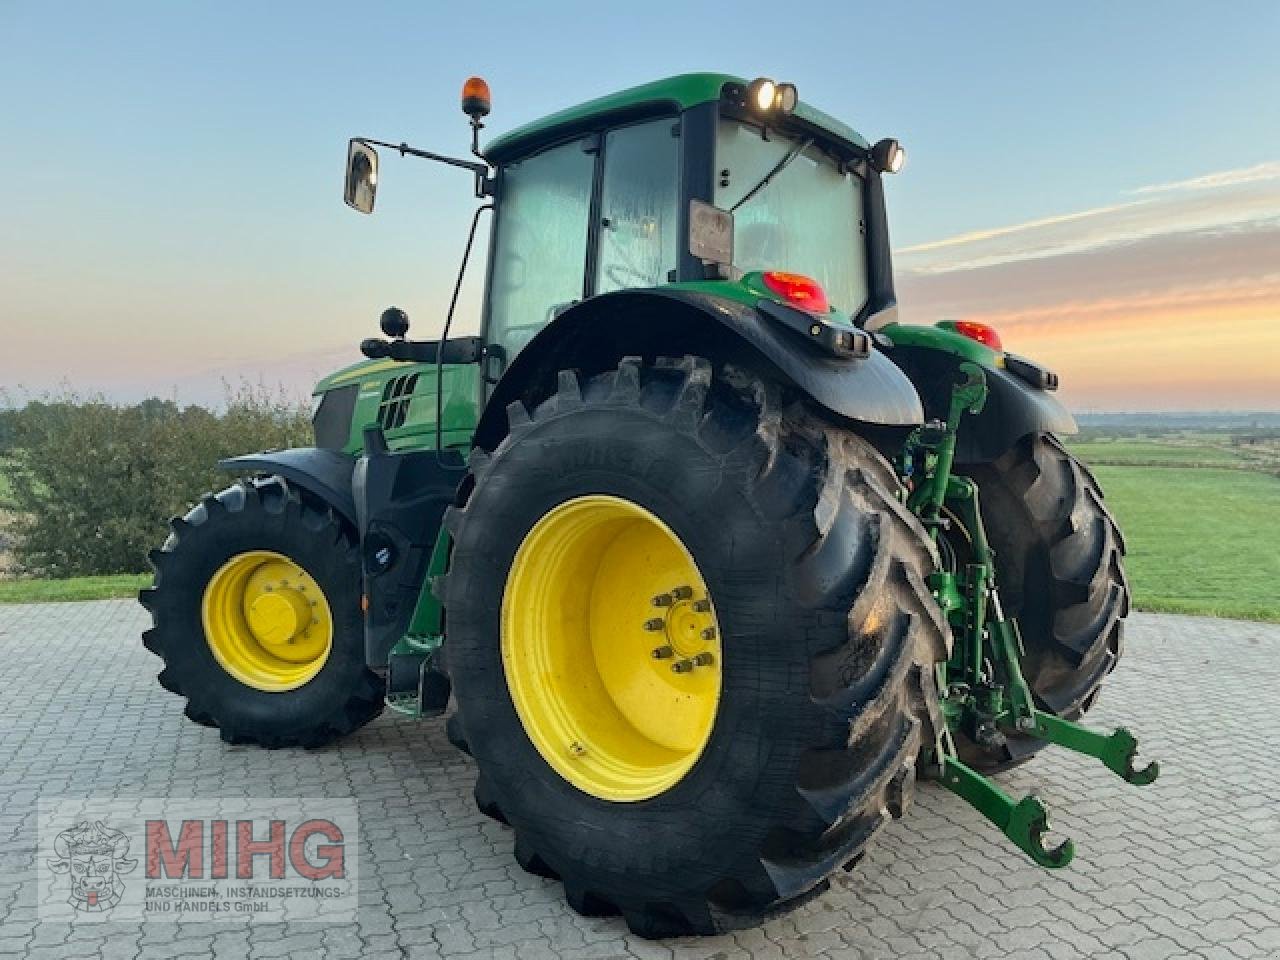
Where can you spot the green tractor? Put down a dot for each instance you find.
(713, 556)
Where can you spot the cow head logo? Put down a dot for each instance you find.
(95, 856)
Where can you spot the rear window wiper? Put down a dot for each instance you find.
(778, 167)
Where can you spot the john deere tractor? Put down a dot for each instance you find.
(712, 556)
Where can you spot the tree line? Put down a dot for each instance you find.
(90, 485)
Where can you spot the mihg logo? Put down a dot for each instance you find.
(275, 859)
(93, 856)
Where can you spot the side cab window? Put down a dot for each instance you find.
(540, 248)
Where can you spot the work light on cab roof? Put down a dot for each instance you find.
(765, 96)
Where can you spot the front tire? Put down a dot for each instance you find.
(256, 613)
(826, 640)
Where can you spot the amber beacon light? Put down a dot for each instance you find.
(475, 98)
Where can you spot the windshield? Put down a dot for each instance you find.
(806, 219)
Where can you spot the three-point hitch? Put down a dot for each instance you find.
(982, 688)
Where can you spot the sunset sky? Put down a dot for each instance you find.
(1100, 181)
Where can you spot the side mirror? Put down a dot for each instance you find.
(362, 176)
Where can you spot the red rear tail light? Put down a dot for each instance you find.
(798, 290)
(981, 332)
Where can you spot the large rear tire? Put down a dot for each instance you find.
(256, 613)
(821, 658)
(1060, 569)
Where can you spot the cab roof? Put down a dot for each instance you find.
(673, 94)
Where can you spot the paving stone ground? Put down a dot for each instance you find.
(1189, 867)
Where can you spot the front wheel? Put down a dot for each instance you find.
(691, 645)
(256, 613)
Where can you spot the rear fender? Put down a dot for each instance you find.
(593, 335)
(1014, 407)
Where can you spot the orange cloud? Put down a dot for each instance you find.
(1171, 302)
(1198, 350)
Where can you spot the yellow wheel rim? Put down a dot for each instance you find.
(611, 648)
(267, 622)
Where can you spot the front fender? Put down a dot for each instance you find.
(325, 473)
(671, 321)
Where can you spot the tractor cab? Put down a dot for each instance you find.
(693, 180)
(611, 201)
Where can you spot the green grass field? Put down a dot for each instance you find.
(1201, 517)
(76, 588)
(1153, 452)
(1201, 539)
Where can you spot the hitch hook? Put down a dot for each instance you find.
(1117, 750)
(1024, 822)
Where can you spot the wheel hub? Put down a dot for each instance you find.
(689, 628)
(611, 648)
(266, 621)
(276, 619)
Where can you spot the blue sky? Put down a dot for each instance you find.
(174, 169)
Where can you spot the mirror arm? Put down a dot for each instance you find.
(484, 182)
(479, 169)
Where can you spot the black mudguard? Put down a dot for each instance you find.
(1014, 407)
(400, 499)
(593, 335)
(325, 473)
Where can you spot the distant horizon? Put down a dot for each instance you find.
(301, 396)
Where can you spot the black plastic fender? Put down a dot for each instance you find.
(326, 473)
(1014, 407)
(593, 335)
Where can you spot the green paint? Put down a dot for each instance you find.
(361, 369)
(674, 94)
(749, 290)
(1116, 750)
(931, 492)
(426, 627)
(1024, 822)
(461, 388)
(945, 341)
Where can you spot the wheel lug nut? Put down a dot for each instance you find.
(682, 666)
(702, 606)
(663, 600)
(682, 593)
(703, 659)
(663, 653)
(709, 634)
(657, 623)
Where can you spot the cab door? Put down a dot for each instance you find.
(593, 215)
(540, 248)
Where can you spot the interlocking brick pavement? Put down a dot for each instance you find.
(1189, 867)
